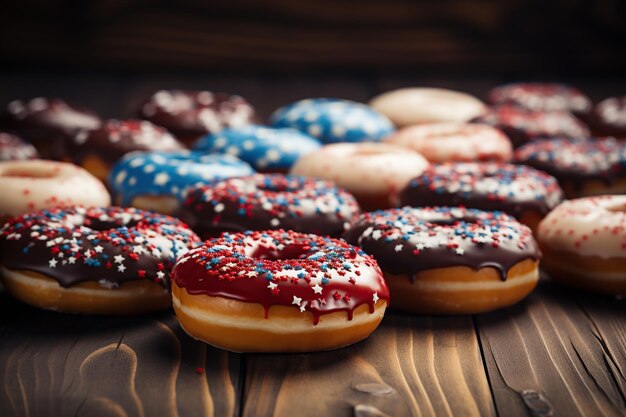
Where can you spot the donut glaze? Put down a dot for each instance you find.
(574, 163)
(522, 125)
(109, 246)
(46, 122)
(411, 106)
(282, 268)
(541, 97)
(34, 185)
(191, 114)
(267, 201)
(13, 148)
(609, 117)
(513, 189)
(264, 148)
(169, 173)
(447, 142)
(333, 120)
(372, 172)
(584, 242)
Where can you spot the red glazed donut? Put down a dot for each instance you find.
(92, 260)
(449, 142)
(584, 244)
(278, 291)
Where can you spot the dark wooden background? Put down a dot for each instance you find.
(515, 37)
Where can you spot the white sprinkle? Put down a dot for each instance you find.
(296, 300)
(52, 263)
(219, 207)
(121, 268)
(317, 289)
(398, 248)
(375, 297)
(161, 179)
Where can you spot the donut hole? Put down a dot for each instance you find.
(293, 251)
(451, 221)
(277, 186)
(25, 172)
(99, 225)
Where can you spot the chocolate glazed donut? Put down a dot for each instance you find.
(446, 260)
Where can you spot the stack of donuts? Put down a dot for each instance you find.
(297, 234)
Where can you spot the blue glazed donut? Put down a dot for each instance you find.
(265, 148)
(169, 173)
(333, 120)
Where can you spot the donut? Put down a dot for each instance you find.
(192, 114)
(520, 191)
(266, 149)
(417, 105)
(541, 97)
(159, 180)
(333, 120)
(38, 184)
(452, 141)
(12, 148)
(522, 125)
(372, 172)
(92, 260)
(46, 122)
(98, 150)
(609, 117)
(584, 244)
(268, 201)
(583, 167)
(450, 260)
(278, 291)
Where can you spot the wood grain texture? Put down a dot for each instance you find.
(410, 366)
(547, 357)
(61, 365)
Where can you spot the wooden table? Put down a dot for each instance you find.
(558, 353)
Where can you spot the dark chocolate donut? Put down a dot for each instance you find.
(107, 245)
(191, 114)
(261, 202)
(576, 162)
(513, 189)
(609, 117)
(46, 122)
(541, 97)
(522, 125)
(12, 148)
(408, 240)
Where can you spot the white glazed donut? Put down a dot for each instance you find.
(455, 142)
(39, 184)
(584, 243)
(372, 172)
(411, 106)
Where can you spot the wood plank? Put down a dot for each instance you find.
(410, 366)
(57, 364)
(545, 357)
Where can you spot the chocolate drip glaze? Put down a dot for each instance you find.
(107, 245)
(510, 188)
(262, 202)
(407, 241)
(314, 274)
(44, 121)
(116, 138)
(577, 161)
